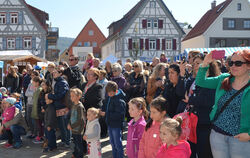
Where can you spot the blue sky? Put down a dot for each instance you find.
(72, 15)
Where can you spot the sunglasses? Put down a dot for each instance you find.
(72, 59)
(135, 66)
(236, 63)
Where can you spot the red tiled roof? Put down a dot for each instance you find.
(207, 19)
(41, 16)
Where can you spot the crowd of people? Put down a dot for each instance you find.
(94, 102)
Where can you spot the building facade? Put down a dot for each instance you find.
(224, 25)
(146, 31)
(22, 27)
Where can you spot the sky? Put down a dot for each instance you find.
(72, 15)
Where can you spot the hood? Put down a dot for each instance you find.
(120, 94)
(59, 79)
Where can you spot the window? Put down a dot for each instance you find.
(152, 4)
(11, 43)
(135, 44)
(231, 24)
(242, 42)
(86, 44)
(152, 44)
(220, 43)
(79, 44)
(246, 24)
(2, 18)
(238, 6)
(91, 32)
(155, 23)
(94, 44)
(168, 44)
(13, 18)
(27, 42)
(149, 23)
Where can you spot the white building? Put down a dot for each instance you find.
(224, 25)
(146, 31)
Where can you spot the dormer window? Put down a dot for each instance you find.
(152, 4)
(13, 18)
(91, 32)
(239, 6)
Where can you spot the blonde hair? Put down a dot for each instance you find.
(140, 64)
(157, 69)
(91, 55)
(173, 125)
(94, 111)
(76, 91)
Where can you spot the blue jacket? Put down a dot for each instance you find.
(60, 89)
(115, 108)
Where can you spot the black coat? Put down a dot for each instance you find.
(11, 83)
(74, 76)
(93, 96)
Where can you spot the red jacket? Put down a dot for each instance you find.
(150, 142)
(182, 150)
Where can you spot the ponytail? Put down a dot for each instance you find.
(226, 85)
(149, 123)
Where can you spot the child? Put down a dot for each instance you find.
(170, 132)
(138, 111)
(89, 60)
(36, 81)
(92, 134)
(4, 92)
(77, 122)
(114, 111)
(18, 103)
(8, 115)
(150, 142)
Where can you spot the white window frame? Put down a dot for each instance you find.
(14, 18)
(94, 44)
(149, 23)
(231, 24)
(2, 18)
(27, 42)
(246, 24)
(155, 23)
(91, 33)
(169, 44)
(152, 44)
(152, 4)
(11, 43)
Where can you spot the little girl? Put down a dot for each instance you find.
(172, 147)
(89, 60)
(138, 111)
(151, 142)
(92, 134)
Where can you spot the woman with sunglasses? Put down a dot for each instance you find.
(230, 116)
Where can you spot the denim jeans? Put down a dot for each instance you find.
(228, 146)
(78, 142)
(17, 131)
(51, 137)
(115, 136)
(65, 133)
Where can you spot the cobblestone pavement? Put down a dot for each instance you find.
(31, 150)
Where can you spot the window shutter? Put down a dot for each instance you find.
(4, 43)
(144, 23)
(160, 24)
(174, 44)
(158, 44)
(17, 43)
(33, 43)
(20, 18)
(21, 42)
(7, 18)
(130, 44)
(163, 44)
(141, 44)
(146, 44)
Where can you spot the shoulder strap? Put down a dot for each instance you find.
(228, 101)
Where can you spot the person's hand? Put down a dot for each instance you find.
(48, 128)
(65, 65)
(84, 137)
(243, 137)
(183, 68)
(46, 96)
(102, 113)
(186, 98)
(69, 127)
(208, 59)
(43, 111)
(48, 101)
(125, 152)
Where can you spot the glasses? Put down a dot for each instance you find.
(72, 59)
(135, 66)
(236, 63)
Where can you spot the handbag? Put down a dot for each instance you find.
(228, 101)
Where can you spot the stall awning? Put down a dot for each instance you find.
(228, 50)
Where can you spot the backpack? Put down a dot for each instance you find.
(188, 126)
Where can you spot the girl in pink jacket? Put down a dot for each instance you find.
(9, 109)
(172, 147)
(151, 142)
(138, 111)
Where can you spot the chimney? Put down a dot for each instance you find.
(213, 4)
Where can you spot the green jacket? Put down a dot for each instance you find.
(36, 95)
(215, 83)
